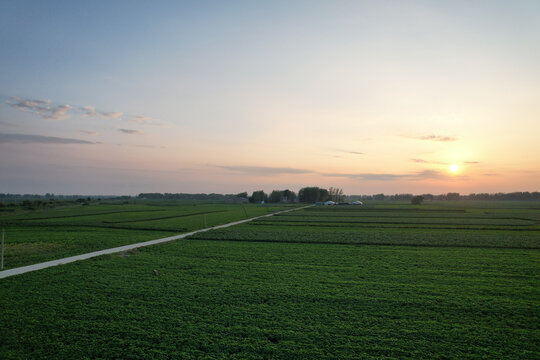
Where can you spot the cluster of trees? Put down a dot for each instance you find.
(282, 196)
(314, 194)
(335, 194)
(306, 194)
(274, 197)
(417, 200)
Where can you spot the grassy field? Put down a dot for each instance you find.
(40, 235)
(339, 283)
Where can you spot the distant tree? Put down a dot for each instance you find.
(308, 194)
(323, 195)
(290, 195)
(275, 196)
(403, 197)
(242, 195)
(312, 194)
(452, 196)
(417, 200)
(378, 197)
(258, 196)
(335, 194)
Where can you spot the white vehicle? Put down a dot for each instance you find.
(357, 203)
(329, 203)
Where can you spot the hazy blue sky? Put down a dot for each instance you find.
(373, 96)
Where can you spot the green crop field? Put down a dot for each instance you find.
(47, 234)
(446, 280)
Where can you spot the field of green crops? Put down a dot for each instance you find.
(47, 234)
(442, 280)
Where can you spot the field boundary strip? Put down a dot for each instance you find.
(70, 259)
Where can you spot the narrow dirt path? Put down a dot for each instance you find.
(67, 260)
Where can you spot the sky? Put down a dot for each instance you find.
(123, 97)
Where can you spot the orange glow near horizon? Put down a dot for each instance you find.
(297, 102)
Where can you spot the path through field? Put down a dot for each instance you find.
(67, 260)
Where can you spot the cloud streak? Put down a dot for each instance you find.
(422, 161)
(352, 152)
(131, 131)
(146, 120)
(90, 111)
(269, 171)
(8, 124)
(112, 114)
(433, 137)
(43, 108)
(89, 132)
(264, 170)
(421, 175)
(47, 110)
(39, 139)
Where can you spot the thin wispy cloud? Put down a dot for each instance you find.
(431, 137)
(39, 139)
(143, 146)
(345, 151)
(146, 120)
(422, 175)
(269, 171)
(8, 124)
(422, 161)
(88, 132)
(112, 114)
(42, 108)
(90, 111)
(366, 176)
(131, 131)
(441, 138)
(427, 174)
(50, 111)
(264, 170)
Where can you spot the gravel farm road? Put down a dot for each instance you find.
(67, 260)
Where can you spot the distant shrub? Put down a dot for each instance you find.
(417, 200)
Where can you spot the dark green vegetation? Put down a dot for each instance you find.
(44, 233)
(321, 283)
(463, 224)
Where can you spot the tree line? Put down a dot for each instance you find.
(516, 196)
(274, 197)
(184, 196)
(305, 194)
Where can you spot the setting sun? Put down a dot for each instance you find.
(454, 168)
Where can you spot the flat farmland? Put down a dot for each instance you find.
(465, 224)
(279, 289)
(41, 235)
